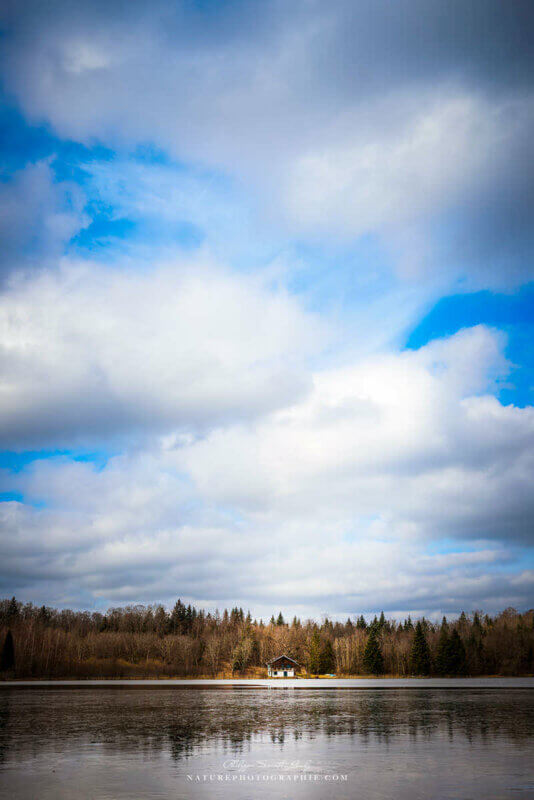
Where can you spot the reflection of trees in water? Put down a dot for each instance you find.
(180, 722)
(4, 734)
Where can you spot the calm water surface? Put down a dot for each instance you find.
(144, 743)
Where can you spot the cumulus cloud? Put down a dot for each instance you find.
(359, 475)
(412, 122)
(266, 454)
(88, 352)
(411, 440)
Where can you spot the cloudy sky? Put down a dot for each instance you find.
(266, 304)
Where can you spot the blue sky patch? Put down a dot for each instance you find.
(512, 313)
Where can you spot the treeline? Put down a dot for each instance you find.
(150, 641)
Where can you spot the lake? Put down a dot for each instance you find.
(399, 741)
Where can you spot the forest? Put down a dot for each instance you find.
(139, 641)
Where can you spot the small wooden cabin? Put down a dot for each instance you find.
(282, 667)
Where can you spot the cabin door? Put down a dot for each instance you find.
(285, 673)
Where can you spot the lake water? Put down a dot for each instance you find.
(141, 743)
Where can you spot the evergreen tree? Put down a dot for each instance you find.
(442, 653)
(13, 608)
(373, 661)
(273, 621)
(361, 624)
(256, 653)
(475, 654)
(237, 659)
(314, 661)
(280, 620)
(188, 619)
(327, 661)
(420, 654)
(381, 621)
(457, 658)
(178, 616)
(44, 615)
(7, 659)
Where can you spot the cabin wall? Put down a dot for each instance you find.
(279, 673)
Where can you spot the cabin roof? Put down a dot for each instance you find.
(279, 658)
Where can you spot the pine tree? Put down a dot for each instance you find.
(178, 617)
(420, 654)
(280, 620)
(13, 608)
(237, 659)
(457, 658)
(256, 653)
(327, 660)
(44, 615)
(442, 653)
(475, 654)
(7, 659)
(373, 661)
(314, 661)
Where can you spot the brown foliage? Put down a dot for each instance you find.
(139, 641)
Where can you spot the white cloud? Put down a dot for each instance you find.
(329, 504)
(367, 176)
(267, 453)
(327, 115)
(366, 429)
(88, 351)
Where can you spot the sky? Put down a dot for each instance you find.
(267, 304)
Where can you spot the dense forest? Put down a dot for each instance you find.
(150, 641)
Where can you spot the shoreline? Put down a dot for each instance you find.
(493, 682)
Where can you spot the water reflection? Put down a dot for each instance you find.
(184, 720)
(387, 741)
